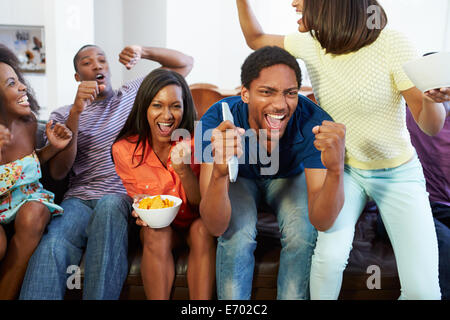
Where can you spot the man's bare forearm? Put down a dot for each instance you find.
(328, 202)
(169, 59)
(215, 206)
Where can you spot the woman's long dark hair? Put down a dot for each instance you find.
(137, 123)
(9, 58)
(341, 26)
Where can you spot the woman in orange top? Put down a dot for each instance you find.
(149, 162)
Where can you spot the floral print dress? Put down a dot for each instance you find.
(19, 184)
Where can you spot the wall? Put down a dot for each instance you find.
(62, 20)
(28, 13)
(425, 22)
(68, 19)
(108, 20)
(144, 23)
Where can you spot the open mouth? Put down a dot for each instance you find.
(99, 77)
(274, 121)
(165, 128)
(23, 101)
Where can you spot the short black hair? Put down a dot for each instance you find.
(266, 57)
(75, 58)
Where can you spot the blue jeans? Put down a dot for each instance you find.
(402, 199)
(235, 259)
(99, 226)
(441, 215)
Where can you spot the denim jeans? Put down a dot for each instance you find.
(441, 215)
(235, 250)
(402, 199)
(100, 227)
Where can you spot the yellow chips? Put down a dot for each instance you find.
(155, 203)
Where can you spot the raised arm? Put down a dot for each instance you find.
(215, 206)
(61, 164)
(168, 58)
(253, 33)
(326, 187)
(59, 137)
(428, 108)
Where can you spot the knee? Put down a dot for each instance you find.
(114, 207)
(331, 253)
(32, 219)
(297, 234)
(200, 237)
(157, 241)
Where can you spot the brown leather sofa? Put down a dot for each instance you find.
(369, 248)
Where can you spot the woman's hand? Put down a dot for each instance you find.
(59, 136)
(181, 157)
(136, 200)
(439, 95)
(139, 221)
(5, 138)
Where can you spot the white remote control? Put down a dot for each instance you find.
(233, 164)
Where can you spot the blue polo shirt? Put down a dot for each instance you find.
(295, 152)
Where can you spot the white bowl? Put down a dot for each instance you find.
(429, 72)
(159, 218)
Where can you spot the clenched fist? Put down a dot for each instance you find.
(59, 136)
(5, 138)
(86, 94)
(330, 140)
(226, 142)
(130, 56)
(181, 157)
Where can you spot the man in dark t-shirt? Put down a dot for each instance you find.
(290, 154)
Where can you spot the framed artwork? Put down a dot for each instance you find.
(28, 43)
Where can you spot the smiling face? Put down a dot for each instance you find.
(13, 93)
(272, 99)
(298, 5)
(91, 65)
(165, 113)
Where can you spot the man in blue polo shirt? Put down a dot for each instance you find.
(302, 169)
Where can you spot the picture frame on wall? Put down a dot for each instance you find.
(28, 43)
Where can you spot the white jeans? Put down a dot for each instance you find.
(402, 199)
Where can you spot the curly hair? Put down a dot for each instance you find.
(266, 57)
(8, 57)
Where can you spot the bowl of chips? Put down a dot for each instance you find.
(158, 211)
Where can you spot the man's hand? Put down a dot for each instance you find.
(86, 94)
(181, 157)
(130, 56)
(439, 95)
(330, 140)
(226, 143)
(59, 136)
(5, 138)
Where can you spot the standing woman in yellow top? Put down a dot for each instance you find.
(356, 72)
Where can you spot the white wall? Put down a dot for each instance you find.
(69, 25)
(423, 21)
(108, 24)
(210, 32)
(144, 23)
